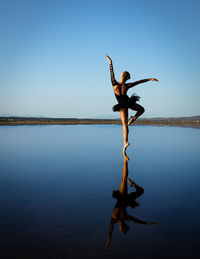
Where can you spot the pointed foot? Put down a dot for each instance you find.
(126, 158)
(131, 182)
(131, 120)
(126, 144)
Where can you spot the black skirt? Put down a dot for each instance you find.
(128, 104)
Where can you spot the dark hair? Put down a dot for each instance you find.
(125, 228)
(126, 75)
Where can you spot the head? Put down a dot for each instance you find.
(123, 227)
(125, 76)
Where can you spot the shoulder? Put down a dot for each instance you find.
(115, 84)
(128, 85)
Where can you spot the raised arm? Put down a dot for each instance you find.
(141, 81)
(112, 75)
(112, 222)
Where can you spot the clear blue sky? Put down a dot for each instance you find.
(52, 59)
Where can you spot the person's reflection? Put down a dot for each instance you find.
(124, 200)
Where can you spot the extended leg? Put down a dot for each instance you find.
(124, 119)
(140, 110)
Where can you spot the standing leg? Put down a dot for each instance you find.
(124, 119)
(140, 110)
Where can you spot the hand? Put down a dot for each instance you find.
(107, 243)
(152, 223)
(153, 79)
(110, 60)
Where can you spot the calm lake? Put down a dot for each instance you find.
(57, 183)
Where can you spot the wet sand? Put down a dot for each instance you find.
(193, 122)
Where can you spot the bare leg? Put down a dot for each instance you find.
(140, 110)
(124, 119)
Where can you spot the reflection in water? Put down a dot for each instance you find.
(124, 200)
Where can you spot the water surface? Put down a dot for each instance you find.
(56, 187)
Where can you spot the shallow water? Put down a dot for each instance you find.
(56, 187)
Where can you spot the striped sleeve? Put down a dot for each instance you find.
(129, 85)
(112, 75)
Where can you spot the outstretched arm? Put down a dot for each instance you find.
(139, 221)
(141, 81)
(112, 75)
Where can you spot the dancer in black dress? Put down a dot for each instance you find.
(124, 102)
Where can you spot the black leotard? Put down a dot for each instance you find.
(123, 100)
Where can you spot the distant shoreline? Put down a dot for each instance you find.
(173, 121)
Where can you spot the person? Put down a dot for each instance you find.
(124, 200)
(124, 101)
